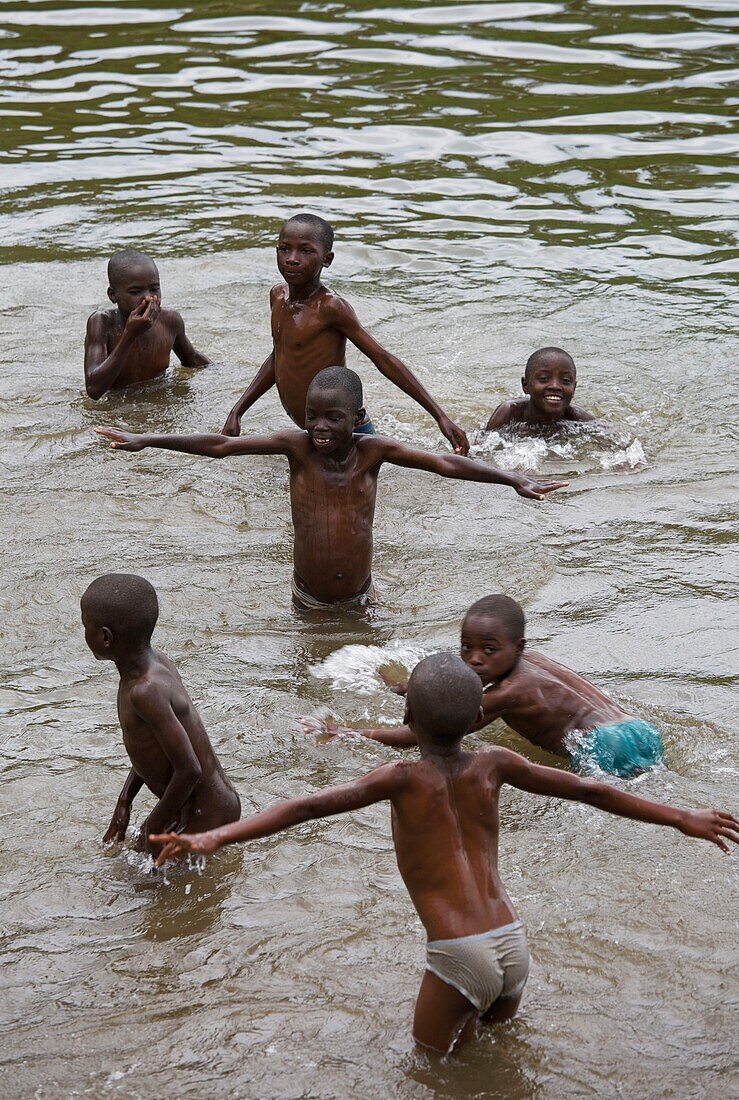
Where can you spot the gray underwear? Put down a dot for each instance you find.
(305, 602)
(485, 967)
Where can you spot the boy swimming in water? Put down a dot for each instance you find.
(548, 704)
(333, 484)
(444, 811)
(549, 380)
(162, 731)
(132, 342)
(310, 327)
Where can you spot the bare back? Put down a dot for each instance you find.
(445, 828)
(544, 701)
(304, 344)
(153, 751)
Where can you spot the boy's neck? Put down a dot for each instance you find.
(303, 293)
(431, 749)
(134, 661)
(339, 458)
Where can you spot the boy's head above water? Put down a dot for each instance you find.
(550, 379)
(304, 248)
(333, 408)
(119, 613)
(493, 637)
(133, 277)
(443, 699)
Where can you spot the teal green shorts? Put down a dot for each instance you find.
(623, 748)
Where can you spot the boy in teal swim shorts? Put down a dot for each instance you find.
(548, 704)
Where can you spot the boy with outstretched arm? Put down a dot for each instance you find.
(333, 484)
(310, 327)
(132, 342)
(162, 731)
(548, 704)
(549, 381)
(445, 830)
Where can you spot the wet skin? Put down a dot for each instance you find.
(166, 743)
(333, 486)
(550, 388)
(132, 343)
(540, 699)
(444, 811)
(310, 327)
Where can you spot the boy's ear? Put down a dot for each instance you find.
(407, 716)
(361, 415)
(521, 646)
(107, 635)
(112, 294)
(328, 259)
(524, 384)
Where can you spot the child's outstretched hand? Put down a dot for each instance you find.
(710, 825)
(122, 441)
(536, 490)
(455, 435)
(326, 727)
(174, 845)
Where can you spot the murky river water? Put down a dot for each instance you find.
(501, 176)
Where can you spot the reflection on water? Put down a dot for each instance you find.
(502, 176)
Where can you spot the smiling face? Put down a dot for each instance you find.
(135, 283)
(488, 648)
(550, 384)
(330, 419)
(301, 254)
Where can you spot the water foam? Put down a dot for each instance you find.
(356, 667)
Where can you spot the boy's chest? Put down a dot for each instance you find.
(322, 489)
(299, 326)
(149, 353)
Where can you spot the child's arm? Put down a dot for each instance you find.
(183, 349)
(342, 317)
(152, 704)
(101, 369)
(396, 737)
(500, 417)
(707, 824)
(122, 812)
(464, 469)
(262, 381)
(212, 446)
(379, 785)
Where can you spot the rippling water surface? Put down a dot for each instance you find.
(501, 176)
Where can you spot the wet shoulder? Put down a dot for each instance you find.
(172, 320)
(103, 320)
(576, 413)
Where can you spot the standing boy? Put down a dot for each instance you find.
(333, 484)
(445, 832)
(543, 701)
(162, 731)
(132, 342)
(310, 327)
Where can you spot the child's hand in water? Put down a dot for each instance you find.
(143, 316)
(232, 426)
(118, 823)
(710, 825)
(174, 845)
(326, 727)
(455, 435)
(399, 687)
(535, 490)
(122, 441)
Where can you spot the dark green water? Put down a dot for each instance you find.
(501, 177)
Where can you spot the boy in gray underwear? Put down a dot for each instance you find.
(445, 830)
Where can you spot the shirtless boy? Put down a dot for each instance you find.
(444, 811)
(162, 732)
(132, 342)
(548, 704)
(310, 327)
(549, 380)
(333, 484)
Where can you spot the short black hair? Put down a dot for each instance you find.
(444, 696)
(340, 378)
(542, 354)
(123, 261)
(505, 611)
(125, 603)
(324, 230)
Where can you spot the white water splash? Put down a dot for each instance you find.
(356, 667)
